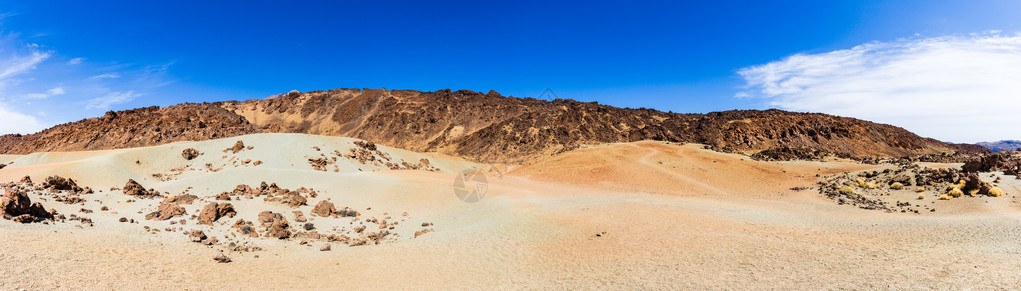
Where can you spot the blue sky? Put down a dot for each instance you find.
(62, 61)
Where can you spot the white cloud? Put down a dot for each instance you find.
(954, 88)
(106, 76)
(14, 122)
(75, 61)
(106, 101)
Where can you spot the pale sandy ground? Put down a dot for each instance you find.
(675, 216)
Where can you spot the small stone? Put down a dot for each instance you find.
(221, 258)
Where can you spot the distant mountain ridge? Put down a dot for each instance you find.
(1002, 145)
(485, 127)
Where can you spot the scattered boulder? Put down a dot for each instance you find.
(427, 230)
(58, 183)
(223, 196)
(294, 199)
(276, 223)
(196, 235)
(221, 258)
(181, 199)
(325, 248)
(26, 180)
(166, 211)
(238, 146)
(132, 188)
(324, 209)
(903, 179)
(214, 211)
(347, 212)
(15, 205)
(190, 154)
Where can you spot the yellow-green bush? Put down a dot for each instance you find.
(847, 190)
(920, 189)
(896, 186)
(921, 196)
(871, 185)
(955, 192)
(995, 192)
(944, 197)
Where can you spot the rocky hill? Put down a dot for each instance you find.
(1002, 145)
(133, 128)
(479, 126)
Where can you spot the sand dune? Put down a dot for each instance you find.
(670, 168)
(633, 215)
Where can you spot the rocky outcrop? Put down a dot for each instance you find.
(1008, 162)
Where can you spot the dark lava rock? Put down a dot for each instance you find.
(190, 153)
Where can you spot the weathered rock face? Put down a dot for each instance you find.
(15, 205)
(214, 211)
(477, 126)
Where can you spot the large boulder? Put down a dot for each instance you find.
(166, 211)
(214, 211)
(58, 183)
(324, 209)
(276, 223)
(190, 153)
(132, 188)
(15, 205)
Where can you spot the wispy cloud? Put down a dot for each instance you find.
(18, 64)
(106, 101)
(49, 93)
(40, 87)
(20, 59)
(107, 76)
(955, 88)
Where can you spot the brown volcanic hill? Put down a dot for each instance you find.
(482, 127)
(133, 128)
